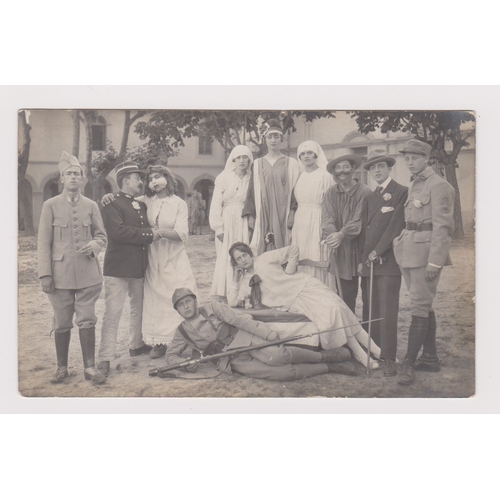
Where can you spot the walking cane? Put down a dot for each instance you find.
(370, 301)
(337, 277)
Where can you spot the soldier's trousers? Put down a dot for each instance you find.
(422, 292)
(79, 303)
(279, 363)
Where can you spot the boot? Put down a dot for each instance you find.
(407, 374)
(335, 355)
(62, 349)
(87, 341)
(346, 368)
(418, 331)
(429, 361)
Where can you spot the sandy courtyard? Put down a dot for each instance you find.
(454, 307)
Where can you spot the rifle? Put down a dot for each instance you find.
(161, 372)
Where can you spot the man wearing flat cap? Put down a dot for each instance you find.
(125, 263)
(216, 327)
(383, 220)
(70, 236)
(341, 224)
(421, 251)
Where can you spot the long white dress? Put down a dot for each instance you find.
(168, 269)
(225, 217)
(306, 231)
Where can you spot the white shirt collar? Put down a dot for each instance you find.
(384, 184)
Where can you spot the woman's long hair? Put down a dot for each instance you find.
(165, 171)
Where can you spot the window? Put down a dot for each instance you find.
(98, 134)
(204, 143)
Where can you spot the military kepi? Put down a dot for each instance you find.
(67, 161)
(377, 156)
(180, 293)
(417, 147)
(126, 168)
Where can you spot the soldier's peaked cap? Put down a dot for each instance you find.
(126, 168)
(417, 147)
(180, 293)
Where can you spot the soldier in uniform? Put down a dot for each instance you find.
(216, 327)
(383, 220)
(341, 224)
(421, 251)
(70, 236)
(125, 263)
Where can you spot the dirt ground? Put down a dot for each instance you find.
(455, 311)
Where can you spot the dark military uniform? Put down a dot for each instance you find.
(125, 263)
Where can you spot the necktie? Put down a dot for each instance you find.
(380, 189)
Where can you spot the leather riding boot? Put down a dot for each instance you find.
(429, 361)
(87, 342)
(416, 336)
(62, 349)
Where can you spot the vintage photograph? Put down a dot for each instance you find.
(246, 253)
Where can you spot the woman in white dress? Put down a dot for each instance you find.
(168, 264)
(305, 222)
(274, 274)
(225, 219)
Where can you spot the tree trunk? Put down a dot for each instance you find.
(23, 155)
(451, 177)
(89, 171)
(75, 114)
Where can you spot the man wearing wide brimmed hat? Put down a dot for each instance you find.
(70, 237)
(341, 224)
(267, 206)
(383, 220)
(421, 251)
(125, 263)
(216, 327)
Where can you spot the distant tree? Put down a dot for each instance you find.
(99, 164)
(441, 129)
(23, 156)
(169, 128)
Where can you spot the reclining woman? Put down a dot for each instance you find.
(298, 293)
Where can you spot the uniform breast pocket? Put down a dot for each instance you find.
(87, 225)
(59, 227)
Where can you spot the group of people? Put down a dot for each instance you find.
(294, 235)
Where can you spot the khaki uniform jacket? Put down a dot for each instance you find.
(430, 200)
(64, 229)
(227, 323)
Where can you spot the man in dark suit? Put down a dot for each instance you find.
(125, 263)
(383, 220)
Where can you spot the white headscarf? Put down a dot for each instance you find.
(321, 161)
(238, 151)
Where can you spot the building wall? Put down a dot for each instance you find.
(52, 133)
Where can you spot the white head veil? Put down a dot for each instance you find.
(321, 161)
(238, 151)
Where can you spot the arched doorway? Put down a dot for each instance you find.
(206, 188)
(52, 188)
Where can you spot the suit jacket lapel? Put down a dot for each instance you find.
(378, 200)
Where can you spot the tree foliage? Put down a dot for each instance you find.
(443, 130)
(167, 129)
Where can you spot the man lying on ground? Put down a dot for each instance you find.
(216, 327)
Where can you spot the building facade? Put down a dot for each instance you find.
(200, 160)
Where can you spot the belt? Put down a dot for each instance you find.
(412, 226)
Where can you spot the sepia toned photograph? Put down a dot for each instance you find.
(246, 253)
